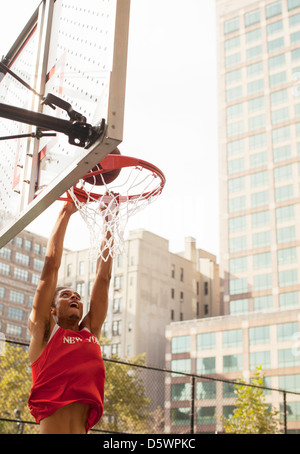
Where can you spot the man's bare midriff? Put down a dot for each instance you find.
(70, 419)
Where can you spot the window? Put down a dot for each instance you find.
(238, 264)
(295, 55)
(181, 274)
(290, 383)
(234, 111)
(236, 165)
(292, 4)
(260, 359)
(287, 277)
(232, 43)
(257, 141)
(13, 330)
(286, 331)
(254, 35)
(172, 293)
(233, 94)
(287, 358)
(236, 184)
(23, 275)
(206, 390)
(206, 341)
(233, 76)
(284, 193)
(38, 264)
(206, 365)
(23, 259)
(69, 269)
(280, 115)
(37, 248)
(181, 391)
(256, 86)
(285, 213)
(117, 305)
(81, 268)
(261, 239)
(259, 199)
(173, 271)
(116, 327)
(251, 18)
(262, 260)
(286, 256)
(283, 173)
(235, 147)
(275, 44)
(238, 244)
(257, 122)
(289, 299)
(279, 97)
(256, 104)
(237, 224)
(277, 79)
(180, 416)
(275, 27)
(236, 204)
(263, 303)
(19, 242)
(5, 253)
(16, 297)
(205, 288)
(232, 338)
(286, 234)
(254, 52)
(35, 278)
(276, 62)
(237, 286)
(281, 134)
(254, 69)
(260, 219)
(273, 9)
(239, 306)
(181, 365)
(16, 314)
(259, 179)
(232, 363)
(181, 344)
(80, 288)
(294, 20)
(206, 415)
(259, 335)
(262, 282)
(233, 60)
(282, 153)
(231, 25)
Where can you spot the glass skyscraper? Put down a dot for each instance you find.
(259, 142)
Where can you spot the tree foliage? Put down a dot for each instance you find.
(252, 414)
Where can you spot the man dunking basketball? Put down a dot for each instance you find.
(67, 366)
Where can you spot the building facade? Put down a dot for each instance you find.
(230, 348)
(21, 263)
(259, 124)
(150, 287)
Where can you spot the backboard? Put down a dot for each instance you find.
(76, 51)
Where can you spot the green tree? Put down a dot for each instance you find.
(126, 406)
(15, 385)
(252, 414)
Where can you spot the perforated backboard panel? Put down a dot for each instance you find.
(82, 61)
(14, 152)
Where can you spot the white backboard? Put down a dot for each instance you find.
(76, 51)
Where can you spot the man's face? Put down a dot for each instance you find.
(68, 304)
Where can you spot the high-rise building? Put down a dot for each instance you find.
(259, 136)
(21, 263)
(150, 287)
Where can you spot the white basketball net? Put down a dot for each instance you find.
(134, 189)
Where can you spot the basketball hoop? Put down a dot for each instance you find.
(137, 184)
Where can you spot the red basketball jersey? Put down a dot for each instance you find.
(70, 369)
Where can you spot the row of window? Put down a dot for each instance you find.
(262, 260)
(262, 239)
(234, 362)
(262, 199)
(255, 16)
(207, 415)
(286, 278)
(273, 44)
(13, 312)
(234, 338)
(15, 296)
(208, 389)
(29, 245)
(19, 273)
(263, 218)
(287, 300)
(22, 259)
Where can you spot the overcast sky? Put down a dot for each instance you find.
(170, 116)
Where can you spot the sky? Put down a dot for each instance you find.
(170, 117)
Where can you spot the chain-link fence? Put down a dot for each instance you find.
(144, 400)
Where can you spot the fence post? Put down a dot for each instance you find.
(192, 405)
(284, 413)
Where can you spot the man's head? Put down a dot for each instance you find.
(67, 304)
